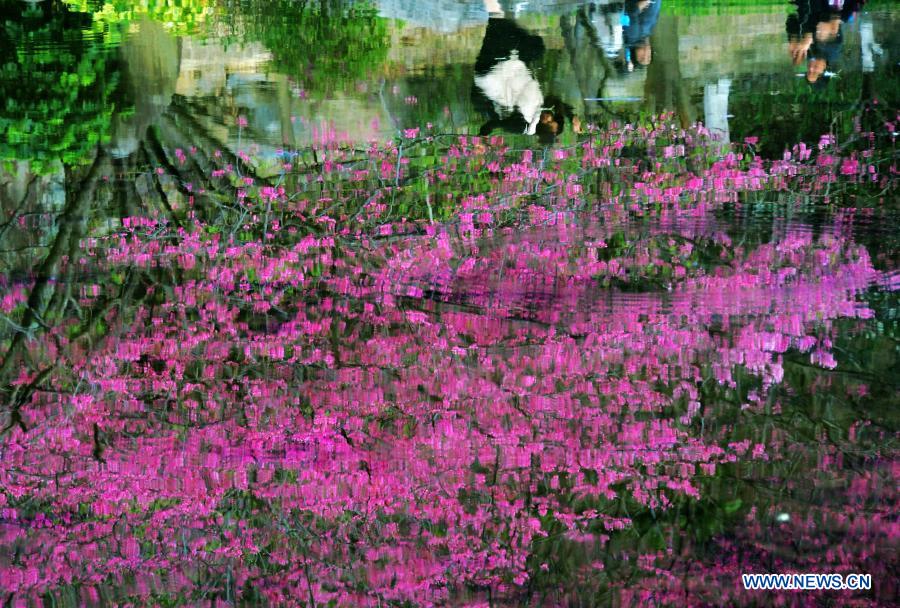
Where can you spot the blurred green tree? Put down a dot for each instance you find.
(324, 45)
(57, 85)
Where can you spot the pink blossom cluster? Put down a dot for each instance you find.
(333, 400)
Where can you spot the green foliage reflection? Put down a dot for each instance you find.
(326, 45)
(179, 16)
(56, 86)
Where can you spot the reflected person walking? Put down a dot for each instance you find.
(505, 90)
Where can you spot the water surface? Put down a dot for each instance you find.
(411, 303)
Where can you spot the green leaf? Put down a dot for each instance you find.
(732, 506)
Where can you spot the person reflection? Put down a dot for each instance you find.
(815, 36)
(608, 21)
(638, 22)
(505, 89)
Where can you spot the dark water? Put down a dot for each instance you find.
(323, 303)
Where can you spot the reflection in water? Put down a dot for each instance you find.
(609, 21)
(441, 15)
(508, 91)
(151, 64)
(639, 18)
(715, 108)
(815, 35)
(248, 357)
(505, 88)
(57, 83)
(376, 77)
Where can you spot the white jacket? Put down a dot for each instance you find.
(510, 85)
